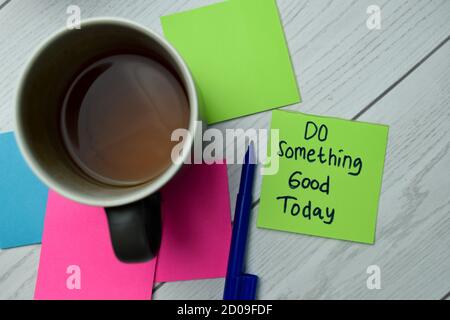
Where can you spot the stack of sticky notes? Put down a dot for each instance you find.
(238, 56)
(77, 258)
(325, 180)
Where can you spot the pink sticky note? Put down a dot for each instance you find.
(77, 259)
(195, 242)
(196, 225)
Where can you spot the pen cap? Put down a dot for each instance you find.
(247, 287)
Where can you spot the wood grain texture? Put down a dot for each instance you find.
(18, 271)
(3, 3)
(342, 68)
(412, 239)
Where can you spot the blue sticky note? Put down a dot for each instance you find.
(23, 198)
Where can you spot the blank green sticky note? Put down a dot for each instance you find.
(329, 178)
(238, 56)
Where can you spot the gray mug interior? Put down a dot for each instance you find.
(43, 87)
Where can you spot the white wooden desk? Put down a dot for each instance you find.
(399, 76)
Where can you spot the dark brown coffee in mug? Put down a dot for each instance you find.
(118, 115)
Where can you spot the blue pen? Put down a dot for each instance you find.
(239, 285)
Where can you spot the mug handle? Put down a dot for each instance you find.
(136, 229)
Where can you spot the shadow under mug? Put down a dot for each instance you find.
(133, 212)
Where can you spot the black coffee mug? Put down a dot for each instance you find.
(134, 211)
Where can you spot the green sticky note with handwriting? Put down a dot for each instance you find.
(237, 53)
(329, 177)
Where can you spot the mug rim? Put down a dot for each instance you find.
(147, 188)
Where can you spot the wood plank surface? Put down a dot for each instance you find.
(412, 238)
(343, 70)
